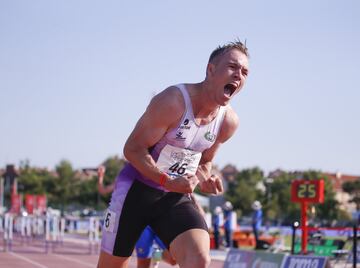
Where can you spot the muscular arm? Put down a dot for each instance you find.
(163, 113)
(209, 183)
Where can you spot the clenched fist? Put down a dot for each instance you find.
(212, 185)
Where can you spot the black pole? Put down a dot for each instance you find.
(294, 226)
(355, 246)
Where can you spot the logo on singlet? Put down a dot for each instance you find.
(185, 124)
(179, 135)
(183, 157)
(209, 136)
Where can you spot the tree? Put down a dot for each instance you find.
(328, 211)
(35, 180)
(353, 189)
(64, 187)
(243, 191)
(282, 209)
(113, 166)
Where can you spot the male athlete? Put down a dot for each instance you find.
(170, 152)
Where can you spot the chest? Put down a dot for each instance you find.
(192, 136)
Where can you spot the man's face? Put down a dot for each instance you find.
(228, 75)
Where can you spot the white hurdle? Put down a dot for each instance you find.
(62, 230)
(94, 223)
(49, 229)
(54, 231)
(28, 221)
(8, 231)
(1, 224)
(40, 227)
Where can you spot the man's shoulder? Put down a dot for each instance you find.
(231, 119)
(229, 125)
(171, 94)
(231, 114)
(170, 102)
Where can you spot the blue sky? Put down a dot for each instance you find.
(76, 75)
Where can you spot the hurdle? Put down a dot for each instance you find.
(94, 224)
(8, 231)
(1, 224)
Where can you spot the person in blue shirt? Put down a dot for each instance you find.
(229, 223)
(256, 220)
(217, 223)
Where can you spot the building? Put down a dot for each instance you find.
(337, 180)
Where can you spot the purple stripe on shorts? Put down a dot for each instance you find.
(122, 186)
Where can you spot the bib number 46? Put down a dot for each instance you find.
(178, 169)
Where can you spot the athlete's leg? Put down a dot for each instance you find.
(166, 256)
(183, 230)
(143, 262)
(191, 249)
(109, 261)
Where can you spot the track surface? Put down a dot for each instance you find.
(71, 253)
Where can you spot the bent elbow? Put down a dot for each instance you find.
(126, 151)
(130, 150)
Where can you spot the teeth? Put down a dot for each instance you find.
(227, 91)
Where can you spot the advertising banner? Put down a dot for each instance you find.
(29, 203)
(238, 258)
(15, 203)
(41, 203)
(268, 260)
(297, 261)
(259, 259)
(244, 259)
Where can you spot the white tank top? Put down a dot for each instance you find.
(179, 151)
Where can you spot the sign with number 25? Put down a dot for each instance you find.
(307, 191)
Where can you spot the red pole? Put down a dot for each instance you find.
(304, 234)
(14, 187)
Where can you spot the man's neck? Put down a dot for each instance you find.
(203, 105)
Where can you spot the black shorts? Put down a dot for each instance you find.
(168, 214)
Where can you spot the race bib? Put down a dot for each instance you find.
(109, 221)
(178, 161)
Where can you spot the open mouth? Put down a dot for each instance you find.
(229, 89)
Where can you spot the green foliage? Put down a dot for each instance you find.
(113, 166)
(280, 198)
(65, 184)
(64, 188)
(353, 189)
(276, 202)
(242, 191)
(329, 210)
(32, 181)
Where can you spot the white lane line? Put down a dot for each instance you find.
(28, 260)
(75, 260)
(68, 258)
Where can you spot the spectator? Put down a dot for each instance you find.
(256, 220)
(229, 223)
(217, 223)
